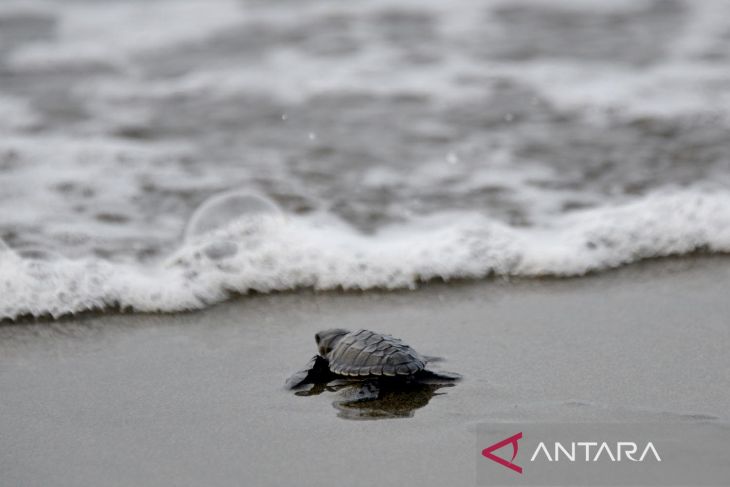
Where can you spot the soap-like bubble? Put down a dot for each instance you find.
(225, 208)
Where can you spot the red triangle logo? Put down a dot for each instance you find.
(487, 452)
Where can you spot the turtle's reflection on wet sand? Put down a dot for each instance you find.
(368, 400)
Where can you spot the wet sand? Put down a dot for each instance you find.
(198, 398)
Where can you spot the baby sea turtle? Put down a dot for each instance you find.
(364, 356)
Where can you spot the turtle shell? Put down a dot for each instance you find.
(365, 352)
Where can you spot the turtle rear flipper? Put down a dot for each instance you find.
(316, 371)
(431, 377)
(433, 359)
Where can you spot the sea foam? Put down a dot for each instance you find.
(265, 250)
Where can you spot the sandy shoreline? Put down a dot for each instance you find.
(198, 398)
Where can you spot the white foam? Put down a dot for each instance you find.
(706, 27)
(670, 89)
(108, 33)
(294, 77)
(60, 183)
(271, 253)
(682, 83)
(16, 113)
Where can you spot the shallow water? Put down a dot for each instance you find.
(400, 142)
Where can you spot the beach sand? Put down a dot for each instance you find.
(198, 398)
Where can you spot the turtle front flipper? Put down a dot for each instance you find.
(316, 371)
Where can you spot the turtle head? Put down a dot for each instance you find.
(327, 339)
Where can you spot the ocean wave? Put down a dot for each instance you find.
(399, 142)
(238, 243)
